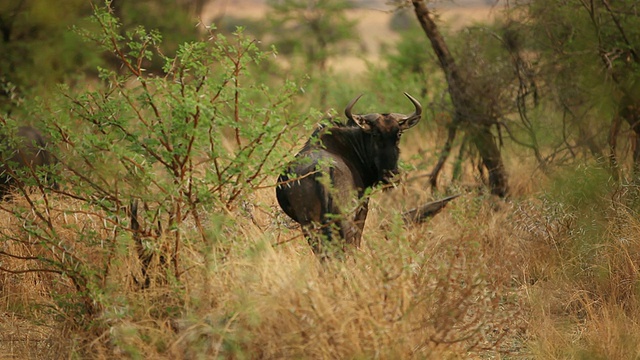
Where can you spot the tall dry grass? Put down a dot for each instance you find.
(545, 274)
(581, 249)
(439, 290)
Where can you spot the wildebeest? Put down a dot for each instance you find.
(324, 188)
(26, 152)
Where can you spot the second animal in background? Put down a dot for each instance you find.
(26, 154)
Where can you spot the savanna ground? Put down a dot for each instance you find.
(549, 272)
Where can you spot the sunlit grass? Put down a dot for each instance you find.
(539, 275)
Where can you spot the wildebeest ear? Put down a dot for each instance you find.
(362, 122)
(408, 123)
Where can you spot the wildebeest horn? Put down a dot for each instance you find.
(417, 105)
(347, 110)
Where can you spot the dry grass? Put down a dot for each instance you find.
(425, 292)
(484, 279)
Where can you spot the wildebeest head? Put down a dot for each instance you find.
(385, 131)
(329, 176)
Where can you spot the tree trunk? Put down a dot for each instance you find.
(612, 140)
(444, 154)
(491, 158)
(630, 111)
(467, 111)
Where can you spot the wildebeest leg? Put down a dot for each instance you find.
(361, 216)
(315, 237)
(352, 228)
(50, 177)
(310, 233)
(329, 241)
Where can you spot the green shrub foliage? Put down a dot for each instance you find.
(173, 148)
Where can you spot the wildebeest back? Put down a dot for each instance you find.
(25, 153)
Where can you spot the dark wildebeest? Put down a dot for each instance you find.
(26, 152)
(325, 188)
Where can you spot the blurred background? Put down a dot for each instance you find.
(40, 48)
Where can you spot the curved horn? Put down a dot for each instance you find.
(417, 105)
(347, 110)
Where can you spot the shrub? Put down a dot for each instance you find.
(142, 161)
